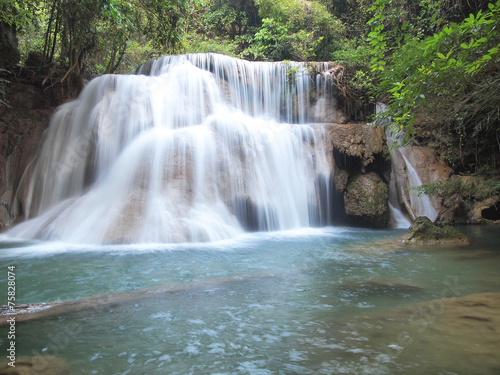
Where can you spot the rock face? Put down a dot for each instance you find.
(359, 141)
(429, 169)
(424, 232)
(472, 201)
(361, 172)
(21, 128)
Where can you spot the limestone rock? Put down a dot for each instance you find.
(358, 140)
(476, 204)
(365, 200)
(424, 232)
(22, 127)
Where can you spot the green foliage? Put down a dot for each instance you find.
(452, 74)
(76, 35)
(220, 26)
(295, 30)
(196, 43)
(18, 13)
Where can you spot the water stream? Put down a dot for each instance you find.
(314, 301)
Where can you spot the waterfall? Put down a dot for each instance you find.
(421, 205)
(198, 147)
(414, 204)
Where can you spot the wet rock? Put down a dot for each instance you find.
(427, 166)
(22, 128)
(253, 217)
(37, 365)
(366, 201)
(379, 286)
(424, 232)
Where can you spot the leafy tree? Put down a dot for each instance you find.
(448, 79)
(296, 30)
(17, 12)
(221, 26)
(95, 34)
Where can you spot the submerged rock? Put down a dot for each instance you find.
(458, 335)
(379, 286)
(37, 365)
(424, 232)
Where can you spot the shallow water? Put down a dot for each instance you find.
(302, 302)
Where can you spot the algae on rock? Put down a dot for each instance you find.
(424, 232)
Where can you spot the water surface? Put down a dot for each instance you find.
(313, 301)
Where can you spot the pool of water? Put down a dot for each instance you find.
(313, 301)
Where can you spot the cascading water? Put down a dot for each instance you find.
(416, 205)
(203, 148)
(422, 205)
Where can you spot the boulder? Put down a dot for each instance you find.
(424, 232)
(366, 201)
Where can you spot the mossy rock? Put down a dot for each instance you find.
(365, 200)
(424, 232)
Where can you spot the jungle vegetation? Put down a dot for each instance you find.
(434, 63)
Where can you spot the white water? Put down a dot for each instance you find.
(203, 149)
(398, 219)
(421, 205)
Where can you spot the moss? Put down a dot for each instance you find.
(424, 232)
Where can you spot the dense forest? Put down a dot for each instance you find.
(434, 63)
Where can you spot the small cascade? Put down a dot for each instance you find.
(397, 219)
(197, 147)
(421, 205)
(400, 181)
(414, 204)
